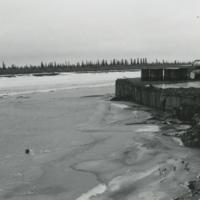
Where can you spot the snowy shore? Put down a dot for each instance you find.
(86, 147)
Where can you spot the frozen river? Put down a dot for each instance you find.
(30, 84)
(85, 147)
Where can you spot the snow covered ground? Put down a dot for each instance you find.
(195, 84)
(30, 84)
(85, 147)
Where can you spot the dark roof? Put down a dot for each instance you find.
(166, 66)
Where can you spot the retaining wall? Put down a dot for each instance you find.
(185, 102)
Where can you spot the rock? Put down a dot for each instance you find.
(194, 191)
(194, 186)
(191, 138)
(196, 119)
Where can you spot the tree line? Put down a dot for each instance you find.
(99, 65)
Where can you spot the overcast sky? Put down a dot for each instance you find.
(35, 30)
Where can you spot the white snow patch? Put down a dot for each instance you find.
(121, 181)
(178, 141)
(119, 105)
(100, 189)
(195, 84)
(148, 128)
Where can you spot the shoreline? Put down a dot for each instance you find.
(112, 187)
(128, 147)
(70, 72)
(181, 101)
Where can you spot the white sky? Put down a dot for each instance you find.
(35, 30)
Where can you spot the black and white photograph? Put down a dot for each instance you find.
(99, 100)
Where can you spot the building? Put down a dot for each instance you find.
(166, 74)
(171, 72)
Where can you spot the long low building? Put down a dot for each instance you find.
(169, 73)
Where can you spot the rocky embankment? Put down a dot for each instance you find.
(191, 138)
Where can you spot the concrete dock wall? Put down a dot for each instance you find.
(184, 102)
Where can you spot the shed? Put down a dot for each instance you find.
(166, 73)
